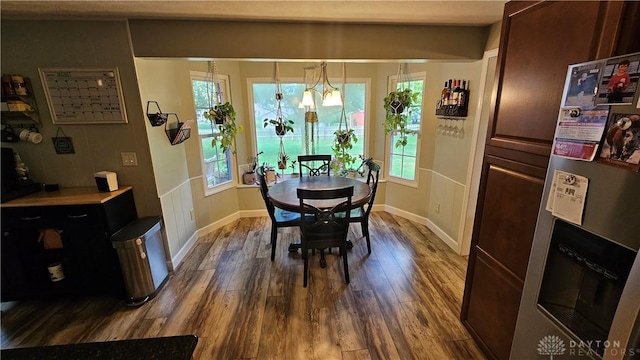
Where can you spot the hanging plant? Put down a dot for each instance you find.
(281, 126)
(344, 138)
(397, 105)
(282, 161)
(224, 117)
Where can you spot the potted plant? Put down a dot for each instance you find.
(281, 125)
(396, 105)
(294, 173)
(224, 116)
(343, 142)
(282, 161)
(269, 172)
(249, 176)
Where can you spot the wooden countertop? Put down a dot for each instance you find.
(66, 196)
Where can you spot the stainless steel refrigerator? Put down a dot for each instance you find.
(581, 296)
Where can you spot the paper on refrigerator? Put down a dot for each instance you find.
(567, 196)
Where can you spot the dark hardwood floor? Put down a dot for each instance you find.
(403, 301)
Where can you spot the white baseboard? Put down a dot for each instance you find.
(176, 260)
(258, 213)
(218, 224)
(426, 222)
(253, 213)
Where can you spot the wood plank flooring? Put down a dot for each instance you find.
(403, 301)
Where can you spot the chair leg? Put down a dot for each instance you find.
(365, 232)
(343, 250)
(274, 237)
(305, 256)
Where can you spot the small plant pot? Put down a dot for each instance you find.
(270, 175)
(249, 178)
(219, 119)
(311, 117)
(280, 130)
(397, 107)
(282, 164)
(352, 174)
(295, 175)
(343, 138)
(279, 96)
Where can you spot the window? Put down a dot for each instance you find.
(403, 161)
(264, 107)
(217, 165)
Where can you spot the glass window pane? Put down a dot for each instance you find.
(265, 107)
(403, 160)
(216, 163)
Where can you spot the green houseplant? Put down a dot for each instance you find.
(224, 117)
(281, 125)
(397, 104)
(342, 143)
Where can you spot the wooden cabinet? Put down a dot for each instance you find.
(539, 41)
(89, 262)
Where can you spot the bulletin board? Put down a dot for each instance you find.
(84, 96)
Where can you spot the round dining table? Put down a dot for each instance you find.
(285, 196)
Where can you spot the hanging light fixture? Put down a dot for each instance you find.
(330, 94)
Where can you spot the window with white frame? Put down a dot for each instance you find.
(265, 106)
(217, 165)
(403, 160)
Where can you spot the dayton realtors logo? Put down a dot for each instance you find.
(551, 345)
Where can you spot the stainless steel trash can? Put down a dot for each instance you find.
(142, 258)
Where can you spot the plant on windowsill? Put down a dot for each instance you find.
(397, 105)
(294, 173)
(270, 172)
(224, 117)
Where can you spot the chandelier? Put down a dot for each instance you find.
(330, 94)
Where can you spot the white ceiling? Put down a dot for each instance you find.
(452, 12)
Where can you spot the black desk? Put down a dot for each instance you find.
(163, 348)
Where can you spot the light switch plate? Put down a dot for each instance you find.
(129, 159)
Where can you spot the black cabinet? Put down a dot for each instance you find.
(88, 260)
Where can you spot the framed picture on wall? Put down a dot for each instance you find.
(84, 96)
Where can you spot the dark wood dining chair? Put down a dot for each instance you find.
(361, 214)
(325, 228)
(279, 218)
(314, 165)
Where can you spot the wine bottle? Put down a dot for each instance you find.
(462, 98)
(456, 93)
(444, 95)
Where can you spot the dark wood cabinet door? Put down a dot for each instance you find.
(503, 233)
(542, 39)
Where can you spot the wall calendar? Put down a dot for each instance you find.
(84, 96)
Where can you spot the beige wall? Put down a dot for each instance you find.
(28, 45)
(493, 39)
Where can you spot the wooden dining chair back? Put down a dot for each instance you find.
(314, 165)
(279, 218)
(361, 214)
(325, 227)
